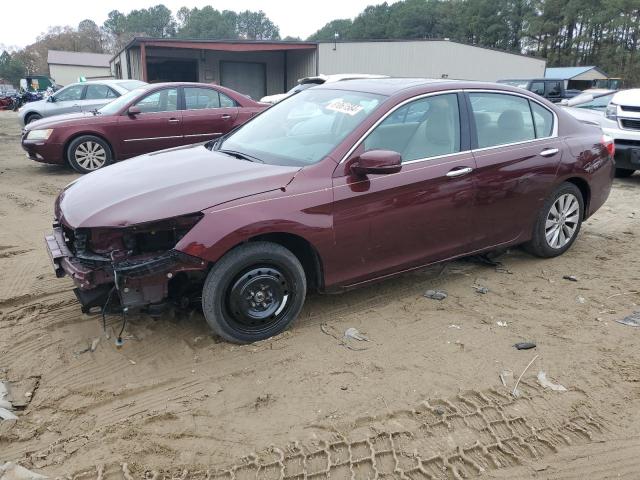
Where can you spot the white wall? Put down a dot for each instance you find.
(429, 59)
(66, 74)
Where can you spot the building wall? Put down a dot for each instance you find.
(66, 74)
(300, 64)
(592, 74)
(431, 59)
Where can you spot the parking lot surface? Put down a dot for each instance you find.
(422, 398)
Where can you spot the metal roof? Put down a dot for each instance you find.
(567, 73)
(83, 59)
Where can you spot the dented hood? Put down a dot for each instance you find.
(164, 184)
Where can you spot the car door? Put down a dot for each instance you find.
(96, 95)
(204, 116)
(157, 126)
(391, 222)
(67, 100)
(517, 152)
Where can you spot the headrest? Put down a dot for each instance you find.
(511, 120)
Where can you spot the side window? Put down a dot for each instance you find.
(421, 129)
(554, 89)
(165, 100)
(226, 101)
(501, 118)
(543, 120)
(199, 98)
(74, 92)
(537, 88)
(98, 92)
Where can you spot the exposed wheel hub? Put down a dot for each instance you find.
(258, 297)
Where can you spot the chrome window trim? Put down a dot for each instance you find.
(151, 138)
(554, 133)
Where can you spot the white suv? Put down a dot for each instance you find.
(620, 120)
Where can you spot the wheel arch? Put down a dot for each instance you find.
(76, 135)
(585, 190)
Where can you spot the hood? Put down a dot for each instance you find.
(627, 97)
(163, 185)
(66, 119)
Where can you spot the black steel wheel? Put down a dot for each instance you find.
(254, 292)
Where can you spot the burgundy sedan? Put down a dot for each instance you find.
(335, 187)
(150, 118)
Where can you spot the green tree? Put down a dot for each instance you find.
(256, 26)
(207, 22)
(341, 27)
(11, 68)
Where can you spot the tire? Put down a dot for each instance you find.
(624, 172)
(32, 117)
(89, 153)
(246, 276)
(544, 242)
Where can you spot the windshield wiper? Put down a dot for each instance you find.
(240, 155)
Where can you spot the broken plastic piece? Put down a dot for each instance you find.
(542, 380)
(436, 294)
(7, 415)
(355, 334)
(501, 324)
(525, 345)
(632, 320)
(482, 290)
(571, 278)
(13, 471)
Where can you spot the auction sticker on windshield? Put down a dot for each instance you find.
(341, 106)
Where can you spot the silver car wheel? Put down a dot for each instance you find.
(562, 221)
(90, 155)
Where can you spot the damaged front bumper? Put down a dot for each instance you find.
(140, 281)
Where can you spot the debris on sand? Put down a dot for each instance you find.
(5, 405)
(516, 392)
(480, 289)
(506, 377)
(355, 334)
(525, 345)
(542, 380)
(580, 299)
(632, 320)
(571, 278)
(436, 294)
(13, 471)
(501, 324)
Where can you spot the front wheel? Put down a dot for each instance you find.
(254, 292)
(89, 153)
(558, 222)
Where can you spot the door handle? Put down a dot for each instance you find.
(549, 152)
(226, 116)
(174, 120)
(458, 172)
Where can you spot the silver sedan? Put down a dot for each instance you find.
(77, 97)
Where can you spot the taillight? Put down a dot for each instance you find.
(608, 143)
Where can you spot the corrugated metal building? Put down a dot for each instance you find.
(259, 68)
(66, 67)
(576, 77)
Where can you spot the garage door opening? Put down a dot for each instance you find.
(159, 70)
(249, 78)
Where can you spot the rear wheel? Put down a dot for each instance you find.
(254, 292)
(624, 172)
(89, 153)
(558, 222)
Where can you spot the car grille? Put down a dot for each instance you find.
(630, 124)
(628, 108)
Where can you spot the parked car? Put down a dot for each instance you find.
(592, 99)
(149, 118)
(385, 176)
(309, 82)
(549, 88)
(620, 120)
(77, 97)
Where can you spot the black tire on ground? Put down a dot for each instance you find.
(624, 172)
(254, 292)
(32, 117)
(89, 153)
(540, 245)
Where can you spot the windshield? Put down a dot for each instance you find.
(113, 107)
(302, 129)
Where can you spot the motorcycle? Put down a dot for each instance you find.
(26, 97)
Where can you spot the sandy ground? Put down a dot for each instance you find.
(422, 399)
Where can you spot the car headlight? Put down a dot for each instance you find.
(612, 111)
(39, 134)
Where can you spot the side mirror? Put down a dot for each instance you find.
(133, 111)
(51, 99)
(377, 162)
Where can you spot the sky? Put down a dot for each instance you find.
(295, 18)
